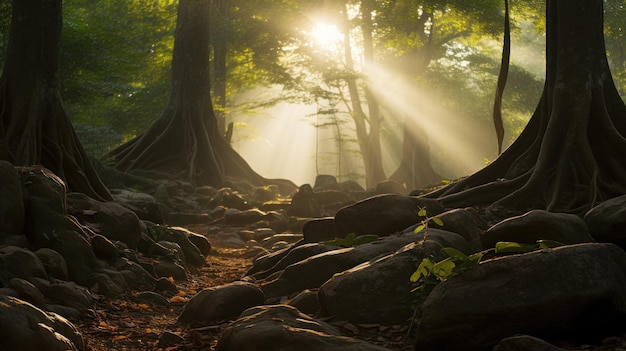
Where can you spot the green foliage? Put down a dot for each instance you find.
(457, 262)
(423, 226)
(352, 240)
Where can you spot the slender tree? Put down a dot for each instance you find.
(186, 136)
(570, 155)
(35, 128)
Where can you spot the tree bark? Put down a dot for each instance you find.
(35, 128)
(570, 155)
(186, 137)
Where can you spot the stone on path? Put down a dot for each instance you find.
(284, 328)
(221, 303)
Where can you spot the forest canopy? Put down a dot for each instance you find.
(279, 70)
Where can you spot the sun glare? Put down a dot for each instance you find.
(326, 35)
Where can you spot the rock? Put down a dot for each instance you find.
(229, 199)
(142, 204)
(245, 217)
(231, 241)
(284, 328)
(180, 236)
(304, 204)
(102, 283)
(112, 220)
(68, 294)
(53, 262)
(168, 339)
(103, 247)
(152, 298)
(27, 292)
(289, 238)
(221, 303)
(332, 200)
(465, 222)
(525, 343)
(319, 229)
(389, 187)
(183, 218)
(383, 215)
(316, 270)
(200, 241)
(20, 263)
(569, 293)
(378, 291)
(164, 268)
(24, 327)
(292, 256)
(12, 212)
(325, 182)
(306, 302)
(538, 225)
(607, 221)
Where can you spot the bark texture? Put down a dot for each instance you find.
(186, 137)
(35, 128)
(570, 155)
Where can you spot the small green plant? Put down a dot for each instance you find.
(423, 226)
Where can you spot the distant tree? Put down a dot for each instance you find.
(34, 127)
(570, 155)
(185, 138)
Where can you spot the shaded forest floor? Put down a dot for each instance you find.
(125, 323)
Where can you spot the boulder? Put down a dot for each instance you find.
(110, 219)
(466, 222)
(24, 327)
(221, 303)
(304, 203)
(180, 236)
(378, 291)
(567, 293)
(538, 225)
(325, 182)
(314, 271)
(383, 215)
(53, 262)
(68, 294)
(607, 221)
(144, 205)
(306, 302)
(12, 212)
(284, 328)
(319, 229)
(16, 262)
(294, 255)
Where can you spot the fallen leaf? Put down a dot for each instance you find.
(144, 306)
(176, 299)
(120, 337)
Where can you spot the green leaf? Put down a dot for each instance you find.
(423, 270)
(422, 212)
(455, 254)
(513, 247)
(437, 221)
(444, 269)
(419, 228)
(548, 244)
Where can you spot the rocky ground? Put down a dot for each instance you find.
(126, 323)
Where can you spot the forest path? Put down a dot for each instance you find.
(126, 323)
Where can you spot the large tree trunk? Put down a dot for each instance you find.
(186, 136)
(35, 128)
(570, 156)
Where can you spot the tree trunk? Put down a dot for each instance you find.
(220, 50)
(35, 128)
(186, 136)
(570, 155)
(415, 171)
